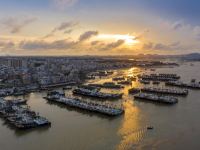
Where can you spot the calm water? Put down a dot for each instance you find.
(175, 127)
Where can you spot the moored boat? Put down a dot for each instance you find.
(156, 98)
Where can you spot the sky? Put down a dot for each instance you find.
(99, 27)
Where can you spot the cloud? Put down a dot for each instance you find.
(161, 46)
(93, 43)
(43, 45)
(178, 25)
(147, 46)
(6, 45)
(196, 32)
(15, 25)
(65, 25)
(139, 36)
(68, 31)
(87, 35)
(62, 4)
(113, 45)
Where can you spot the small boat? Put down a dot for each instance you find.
(150, 128)
(144, 81)
(156, 82)
(125, 82)
(133, 91)
(193, 80)
(67, 88)
(18, 101)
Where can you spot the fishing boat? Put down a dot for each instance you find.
(90, 106)
(97, 94)
(156, 98)
(165, 91)
(133, 91)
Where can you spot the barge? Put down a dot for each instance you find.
(156, 98)
(109, 85)
(134, 91)
(165, 91)
(95, 93)
(118, 78)
(126, 82)
(144, 81)
(183, 85)
(160, 77)
(89, 106)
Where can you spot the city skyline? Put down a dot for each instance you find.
(85, 27)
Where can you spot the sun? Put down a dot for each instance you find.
(128, 39)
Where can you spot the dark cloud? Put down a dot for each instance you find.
(113, 45)
(148, 46)
(178, 25)
(43, 45)
(15, 25)
(65, 25)
(93, 43)
(87, 35)
(161, 46)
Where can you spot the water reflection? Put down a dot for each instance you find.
(130, 130)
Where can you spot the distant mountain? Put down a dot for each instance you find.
(192, 56)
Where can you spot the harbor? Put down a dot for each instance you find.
(73, 114)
